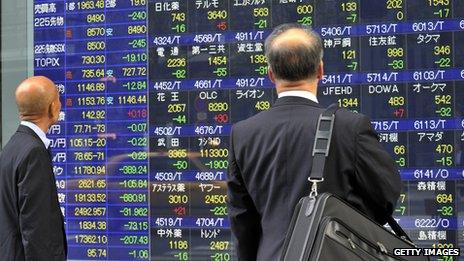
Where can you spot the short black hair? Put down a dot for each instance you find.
(294, 62)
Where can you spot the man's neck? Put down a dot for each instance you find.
(309, 86)
(41, 123)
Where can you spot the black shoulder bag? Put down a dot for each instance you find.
(326, 228)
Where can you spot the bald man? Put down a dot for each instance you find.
(31, 223)
(270, 153)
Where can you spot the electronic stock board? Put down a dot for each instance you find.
(150, 90)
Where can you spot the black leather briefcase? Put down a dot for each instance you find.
(326, 228)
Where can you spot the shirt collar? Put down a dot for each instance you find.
(37, 131)
(304, 94)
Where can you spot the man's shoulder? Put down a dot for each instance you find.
(349, 117)
(253, 122)
(348, 124)
(343, 115)
(19, 150)
(346, 121)
(22, 144)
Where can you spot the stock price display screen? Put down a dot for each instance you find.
(150, 90)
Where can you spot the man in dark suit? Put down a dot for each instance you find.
(270, 153)
(31, 222)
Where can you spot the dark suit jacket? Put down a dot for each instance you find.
(270, 161)
(31, 223)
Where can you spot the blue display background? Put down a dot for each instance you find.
(150, 90)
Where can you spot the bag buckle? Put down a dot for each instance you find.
(313, 193)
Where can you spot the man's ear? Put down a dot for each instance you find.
(50, 110)
(320, 71)
(270, 73)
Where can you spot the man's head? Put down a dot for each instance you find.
(294, 53)
(38, 101)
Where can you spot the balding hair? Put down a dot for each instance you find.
(34, 96)
(294, 52)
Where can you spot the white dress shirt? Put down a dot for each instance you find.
(37, 131)
(304, 94)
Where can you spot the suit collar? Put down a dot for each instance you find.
(38, 131)
(294, 100)
(299, 93)
(27, 130)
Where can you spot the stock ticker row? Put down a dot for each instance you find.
(150, 90)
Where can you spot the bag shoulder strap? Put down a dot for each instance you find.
(398, 230)
(322, 142)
